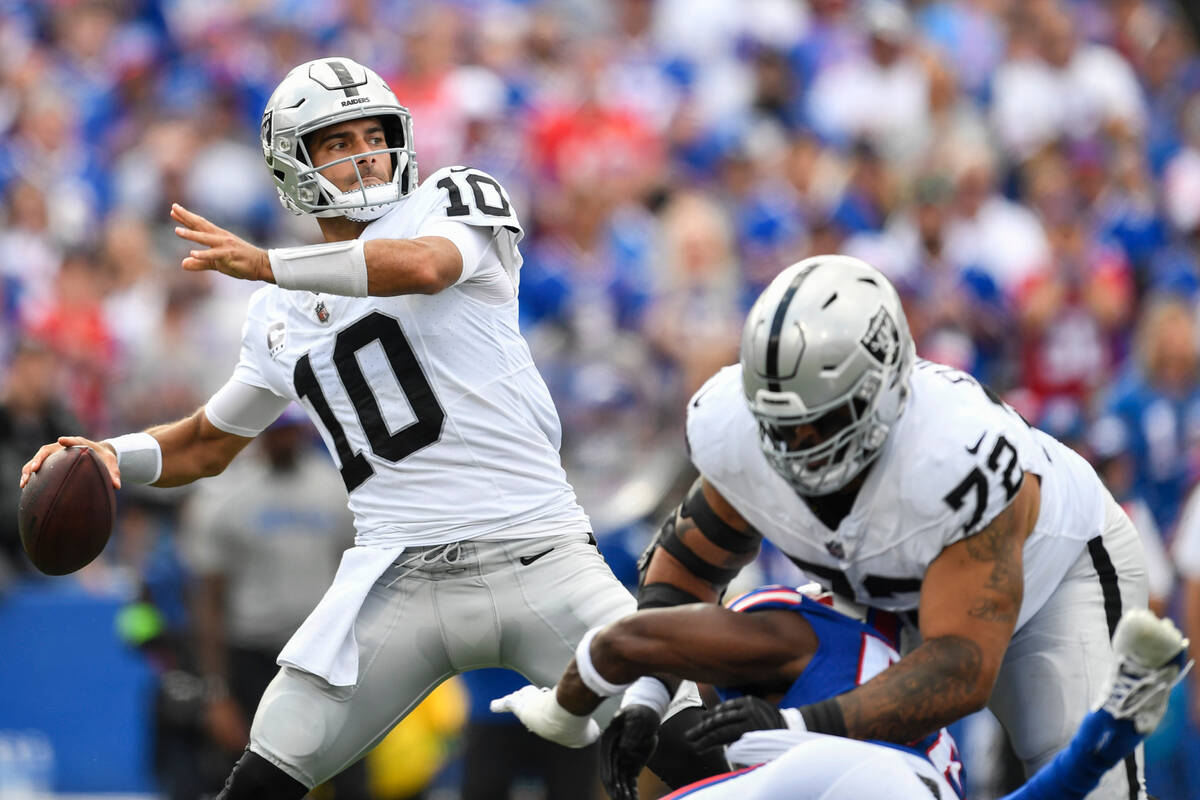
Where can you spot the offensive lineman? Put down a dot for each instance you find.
(908, 487)
(399, 337)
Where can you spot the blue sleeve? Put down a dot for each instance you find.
(1097, 747)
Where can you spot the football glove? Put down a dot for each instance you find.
(625, 748)
(727, 722)
(539, 711)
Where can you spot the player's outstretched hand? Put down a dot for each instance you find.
(727, 722)
(625, 748)
(224, 252)
(106, 454)
(539, 711)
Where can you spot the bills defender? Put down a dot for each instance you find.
(398, 335)
(769, 652)
(904, 485)
(801, 646)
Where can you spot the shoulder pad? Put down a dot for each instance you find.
(967, 452)
(766, 597)
(472, 196)
(710, 412)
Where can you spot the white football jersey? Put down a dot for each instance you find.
(431, 405)
(953, 461)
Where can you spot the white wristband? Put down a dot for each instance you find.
(139, 457)
(647, 691)
(793, 718)
(333, 268)
(587, 670)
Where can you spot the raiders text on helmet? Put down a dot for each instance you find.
(826, 346)
(325, 92)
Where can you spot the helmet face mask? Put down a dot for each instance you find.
(317, 95)
(825, 357)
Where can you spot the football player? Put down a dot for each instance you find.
(799, 647)
(398, 335)
(771, 651)
(907, 486)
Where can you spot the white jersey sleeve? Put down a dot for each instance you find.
(247, 404)
(968, 453)
(471, 196)
(464, 195)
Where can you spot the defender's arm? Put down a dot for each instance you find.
(699, 642)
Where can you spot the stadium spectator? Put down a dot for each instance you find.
(1157, 402)
(30, 411)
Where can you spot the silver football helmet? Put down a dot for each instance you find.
(325, 92)
(826, 357)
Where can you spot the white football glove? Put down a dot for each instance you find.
(539, 711)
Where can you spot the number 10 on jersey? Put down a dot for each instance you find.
(422, 432)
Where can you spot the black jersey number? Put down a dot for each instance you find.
(975, 485)
(476, 181)
(422, 432)
(875, 585)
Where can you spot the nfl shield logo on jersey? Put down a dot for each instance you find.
(322, 311)
(835, 549)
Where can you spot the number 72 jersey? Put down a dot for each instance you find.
(431, 405)
(950, 465)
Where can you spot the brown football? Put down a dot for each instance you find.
(67, 511)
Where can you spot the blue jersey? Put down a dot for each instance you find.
(849, 653)
(1160, 431)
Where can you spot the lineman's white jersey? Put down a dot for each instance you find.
(430, 404)
(953, 461)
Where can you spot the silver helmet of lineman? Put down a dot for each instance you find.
(325, 92)
(826, 346)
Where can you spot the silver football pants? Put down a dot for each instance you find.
(427, 619)
(1057, 663)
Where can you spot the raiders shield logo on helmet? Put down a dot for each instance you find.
(882, 339)
(265, 134)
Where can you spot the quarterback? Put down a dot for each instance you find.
(907, 486)
(398, 335)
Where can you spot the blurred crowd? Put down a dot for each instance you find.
(1026, 171)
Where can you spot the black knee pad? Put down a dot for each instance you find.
(675, 762)
(255, 778)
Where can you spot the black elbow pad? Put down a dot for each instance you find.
(669, 540)
(663, 595)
